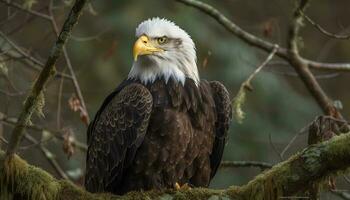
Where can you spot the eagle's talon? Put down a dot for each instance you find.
(185, 186)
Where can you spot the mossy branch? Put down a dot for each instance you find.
(313, 164)
(35, 99)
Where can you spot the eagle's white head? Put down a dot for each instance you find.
(163, 50)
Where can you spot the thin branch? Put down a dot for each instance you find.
(247, 83)
(347, 179)
(24, 148)
(293, 74)
(89, 38)
(20, 50)
(341, 194)
(56, 133)
(69, 65)
(293, 139)
(231, 164)
(239, 99)
(324, 31)
(340, 67)
(275, 149)
(11, 94)
(328, 45)
(33, 100)
(302, 68)
(34, 63)
(19, 7)
(234, 29)
(8, 19)
(49, 156)
(59, 104)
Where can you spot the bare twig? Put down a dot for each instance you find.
(275, 149)
(12, 15)
(342, 194)
(23, 148)
(35, 62)
(231, 164)
(293, 139)
(89, 38)
(322, 30)
(19, 7)
(347, 179)
(20, 50)
(239, 99)
(69, 64)
(293, 74)
(328, 45)
(302, 68)
(33, 99)
(49, 156)
(340, 67)
(11, 94)
(56, 133)
(247, 83)
(59, 104)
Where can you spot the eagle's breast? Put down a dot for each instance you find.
(179, 137)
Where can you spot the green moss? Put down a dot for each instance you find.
(312, 158)
(310, 167)
(166, 197)
(237, 105)
(30, 182)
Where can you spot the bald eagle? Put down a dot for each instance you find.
(162, 126)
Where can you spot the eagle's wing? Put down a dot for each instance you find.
(114, 136)
(224, 115)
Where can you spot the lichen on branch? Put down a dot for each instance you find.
(313, 164)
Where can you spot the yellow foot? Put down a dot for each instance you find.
(185, 186)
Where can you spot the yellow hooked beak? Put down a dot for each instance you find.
(143, 46)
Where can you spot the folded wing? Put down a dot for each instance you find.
(114, 136)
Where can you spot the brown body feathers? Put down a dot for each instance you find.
(152, 136)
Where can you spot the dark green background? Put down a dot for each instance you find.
(278, 108)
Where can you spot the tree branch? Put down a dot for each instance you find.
(49, 156)
(341, 194)
(258, 42)
(69, 65)
(231, 164)
(324, 31)
(36, 95)
(33, 62)
(302, 68)
(311, 165)
(19, 7)
(239, 99)
(234, 29)
(300, 64)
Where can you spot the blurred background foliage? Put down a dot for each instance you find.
(100, 51)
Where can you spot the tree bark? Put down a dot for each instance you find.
(312, 165)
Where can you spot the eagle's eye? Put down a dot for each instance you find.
(162, 40)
